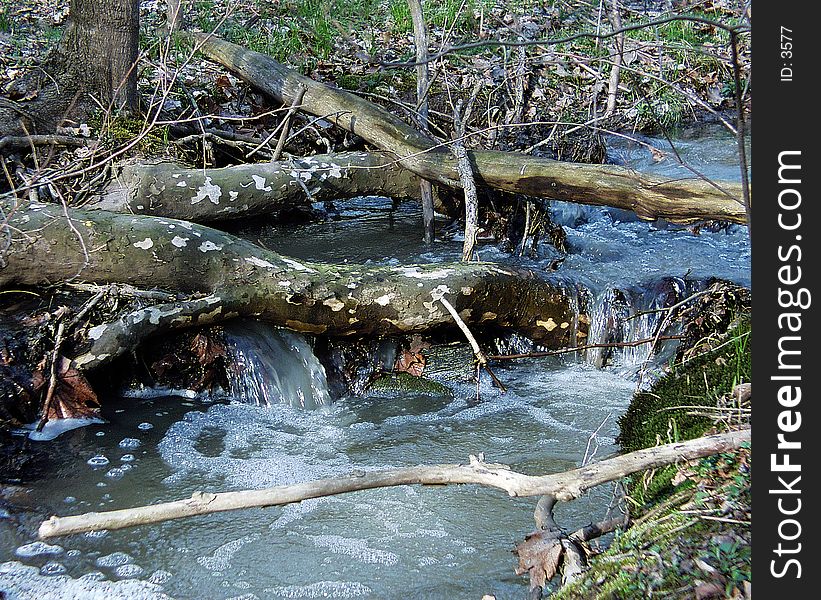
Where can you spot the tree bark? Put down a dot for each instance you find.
(95, 61)
(562, 486)
(680, 200)
(241, 191)
(239, 278)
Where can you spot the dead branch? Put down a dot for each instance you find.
(561, 486)
(681, 200)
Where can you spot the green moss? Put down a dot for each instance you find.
(405, 383)
(122, 129)
(660, 415)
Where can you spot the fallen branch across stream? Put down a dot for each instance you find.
(561, 486)
(682, 200)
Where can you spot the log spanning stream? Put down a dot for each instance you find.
(409, 542)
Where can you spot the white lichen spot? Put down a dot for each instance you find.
(565, 325)
(297, 266)
(95, 333)
(208, 190)
(283, 283)
(140, 207)
(259, 262)
(550, 324)
(259, 183)
(334, 304)
(176, 175)
(208, 245)
(415, 273)
(186, 225)
(146, 244)
(385, 300)
(179, 242)
(182, 184)
(352, 285)
(335, 171)
(232, 195)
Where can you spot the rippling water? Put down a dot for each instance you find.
(406, 542)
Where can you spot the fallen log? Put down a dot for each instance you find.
(561, 486)
(226, 277)
(681, 200)
(208, 195)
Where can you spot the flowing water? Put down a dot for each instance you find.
(405, 542)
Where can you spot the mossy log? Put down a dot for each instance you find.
(208, 195)
(681, 200)
(224, 276)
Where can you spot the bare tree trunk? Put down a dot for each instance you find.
(618, 56)
(207, 195)
(420, 36)
(94, 62)
(224, 277)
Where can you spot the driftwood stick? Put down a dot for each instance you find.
(481, 357)
(561, 486)
(52, 383)
(286, 123)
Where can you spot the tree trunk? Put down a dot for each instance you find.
(95, 60)
(239, 278)
(681, 200)
(241, 191)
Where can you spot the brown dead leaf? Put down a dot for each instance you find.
(540, 555)
(412, 363)
(206, 349)
(73, 397)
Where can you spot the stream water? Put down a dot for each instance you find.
(408, 542)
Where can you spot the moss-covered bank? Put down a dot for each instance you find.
(691, 535)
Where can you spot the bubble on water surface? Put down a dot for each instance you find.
(128, 571)
(130, 443)
(115, 559)
(38, 549)
(145, 426)
(98, 460)
(52, 568)
(115, 473)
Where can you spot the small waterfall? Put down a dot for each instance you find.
(268, 366)
(627, 315)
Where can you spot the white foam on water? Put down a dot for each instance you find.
(321, 589)
(261, 447)
(356, 548)
(38, 549)
(220, 560)
(22, 582)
